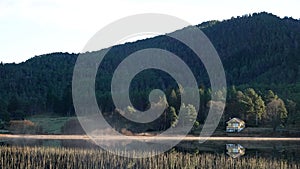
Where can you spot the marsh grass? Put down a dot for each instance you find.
(69, 158)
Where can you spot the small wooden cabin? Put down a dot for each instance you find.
(235, 125)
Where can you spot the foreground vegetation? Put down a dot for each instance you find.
(46, 157)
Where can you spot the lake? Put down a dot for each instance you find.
(280, 149)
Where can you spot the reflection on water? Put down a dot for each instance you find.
(235, 150)
(281, 149)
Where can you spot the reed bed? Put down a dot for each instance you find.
(78, 158)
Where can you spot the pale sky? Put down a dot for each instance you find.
(35, 27)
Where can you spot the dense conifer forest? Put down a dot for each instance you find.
(260, 53)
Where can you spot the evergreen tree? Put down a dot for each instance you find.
(172, 116)
(4, 115)
(293, 116)
(245, 106)
(259, 108)
(15, 108)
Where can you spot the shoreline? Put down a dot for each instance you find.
(146, 138)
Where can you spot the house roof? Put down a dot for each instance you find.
(229, 146)
(235, 120)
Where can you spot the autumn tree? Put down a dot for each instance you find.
(190, 114)
(276, 113)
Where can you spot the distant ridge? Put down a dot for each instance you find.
(259, 50)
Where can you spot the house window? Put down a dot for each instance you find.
(235, 125)
(235, 150)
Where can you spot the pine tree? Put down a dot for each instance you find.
(172, 116)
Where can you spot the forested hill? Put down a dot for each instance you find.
(259, 50)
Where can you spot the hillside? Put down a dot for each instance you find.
(261, 51)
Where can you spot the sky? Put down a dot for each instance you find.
(34, 27)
